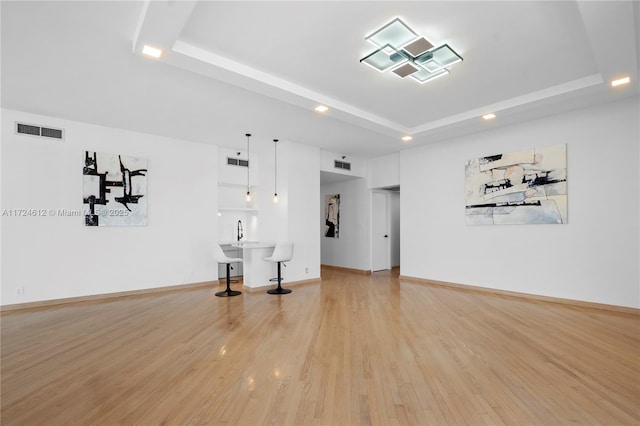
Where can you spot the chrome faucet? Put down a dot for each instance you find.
(240, 234)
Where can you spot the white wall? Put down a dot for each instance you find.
(593, 258)
(57, 257)
(273, 218)
(232, 189)
(327, 164)
(352, 248)
(394, 201)
(384, 171)
(301, 171)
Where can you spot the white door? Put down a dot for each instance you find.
(380, 239)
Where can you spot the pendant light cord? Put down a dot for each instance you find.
(275, 175)
(248, 135)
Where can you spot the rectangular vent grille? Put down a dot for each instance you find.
(28, 129)
(45, 132)
(237, 162)
(341, 165)
(51, 133)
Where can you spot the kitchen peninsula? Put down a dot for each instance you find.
(256, 271)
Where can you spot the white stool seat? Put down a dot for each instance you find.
(220, 257)
(282, 253)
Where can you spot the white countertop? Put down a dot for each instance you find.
(249, 244)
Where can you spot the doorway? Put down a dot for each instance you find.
(385, 228)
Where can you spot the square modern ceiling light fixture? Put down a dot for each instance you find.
(406, 53)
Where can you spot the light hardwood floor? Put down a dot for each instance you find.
(351, 350)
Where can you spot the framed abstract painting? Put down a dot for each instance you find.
(114, 190)
(332, 216)
(525, 187)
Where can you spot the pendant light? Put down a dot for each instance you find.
(275, 174)
(248, 135)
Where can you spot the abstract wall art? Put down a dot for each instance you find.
(332, 216)
(114, 190)
(525, 187)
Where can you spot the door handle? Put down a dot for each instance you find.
(386, 236)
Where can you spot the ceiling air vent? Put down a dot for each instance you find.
(237, 162)
(45, 132)
(341, 165)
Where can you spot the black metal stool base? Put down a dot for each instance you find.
(279, 290)
(228, 293)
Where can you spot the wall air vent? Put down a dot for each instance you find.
(341, 165)
(50, 133)
(28, 129)
(237, 162)
(45, 132)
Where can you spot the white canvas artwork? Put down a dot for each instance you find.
(114, 190)
(526, 187)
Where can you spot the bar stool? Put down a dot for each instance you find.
(220, 257)
(282, 253)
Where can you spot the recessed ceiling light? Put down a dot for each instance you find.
(489, 116)
(151, 51)
(620, 81)
(407, 138)
(322, 108)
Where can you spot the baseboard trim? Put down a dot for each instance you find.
(343, 269)
(96, 297)
(285, 285)
(182, 287)
(523, 296)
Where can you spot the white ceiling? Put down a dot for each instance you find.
(234, 67)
